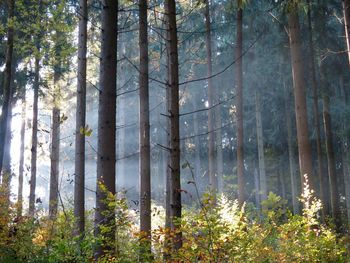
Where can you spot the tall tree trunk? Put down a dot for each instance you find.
(219, 153)
(6, 101)
(197, 158)
(345, 153)
(145, 158)
(34, 138)
(79, 182)
(292, 168)
(55, 149)
(346, 10)
(174, 147)
(211, 119)
(6, 164)
(305, 159)
(21, 157)
(256, 187)
(239, 105)
(331, 162)
(260, 141)
(316, 114)
(104, 215)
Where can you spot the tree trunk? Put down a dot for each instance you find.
(305, 160)
(79, 182)
(346, 10)
(260, 141)
(34, 138)
(145, 158)
(104, 215)
(6, 164)
(316, 115)
(211, 119)
(292, 168)
(239, 106)
(219, 153)
(55, 149)
(331, 162)
(21, 157)
(6, 101)
(345, 153)
(174, 147)
(197, 158)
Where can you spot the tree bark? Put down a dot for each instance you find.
(346, 11)
(197, 158)
(79, 172)
(305, 160)
(239, 106)
(174, 147)
(316, 114)
(145, 158)
(34, 138)
(106, 150)
(55, 149)
(6, 102)
(292, 168)
(21, 157)
(6, 164)
(260, 141)
(331, 162)
(211, 118)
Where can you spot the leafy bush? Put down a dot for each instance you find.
(216, 231)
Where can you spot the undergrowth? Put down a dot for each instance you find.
(217, 231)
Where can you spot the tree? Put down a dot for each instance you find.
(79, 182)
(346, 11)
(316, 111)
(304, 148)
(239, 103)
(36, 86)
(55, 146)
(34, 147)
(145, 158)
(106, 150)
(174, 132)
(21, 156)
(335, 208)
(260, 140)
(6, 104)
(211, 116)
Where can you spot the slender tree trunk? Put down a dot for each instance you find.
(145, 158)
(21, 157)
(34, 138)
(316, 114)
(331, 162)
(174, 164)
(104, 215)
(55, 149)
(346, 10)
(257, 187)
(79, 182)
(197, 158)
(305, 159)
(6, 101)
(6, 164)
(168, 127)
(239, 106)
(219, 154)
(260, 140)
(211, 119)
(345, 153)
(292, 168)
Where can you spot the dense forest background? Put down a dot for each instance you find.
(177, 131)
